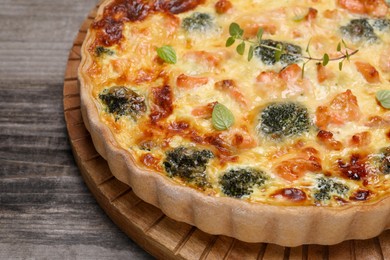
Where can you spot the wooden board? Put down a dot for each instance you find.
(156, 233)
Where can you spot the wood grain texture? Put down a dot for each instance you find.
(166, 238)
(46, 210)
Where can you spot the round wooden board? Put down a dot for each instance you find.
(161, 236)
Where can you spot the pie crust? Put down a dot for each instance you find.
(246, 221)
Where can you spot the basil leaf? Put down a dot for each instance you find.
(383, 96)
(167, 53)
(222, 118)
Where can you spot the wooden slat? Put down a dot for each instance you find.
(242, 250)
(366, 249)
(296, 253)
(384, 241)
(274, 252)
(170, 233)
(220, 248)
(196, 245)
(71, 88)
(344, 250)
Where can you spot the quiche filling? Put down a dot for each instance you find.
(275, 102)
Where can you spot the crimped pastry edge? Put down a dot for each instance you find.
(249, 222)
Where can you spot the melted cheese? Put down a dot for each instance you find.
(203, 55)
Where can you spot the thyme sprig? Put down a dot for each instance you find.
(237, 33)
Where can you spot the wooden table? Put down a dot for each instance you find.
(46, 210)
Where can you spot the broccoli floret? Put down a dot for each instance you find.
(280, 120)
(198, 22)
(381, 24)
(359, 30)
(326, 188)
(267, 55)
(384, 161)
(122, 101)
(100, 50)
(240, 182)
(189, 164)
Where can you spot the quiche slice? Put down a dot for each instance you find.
(267, 121)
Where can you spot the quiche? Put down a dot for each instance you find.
(267, 121)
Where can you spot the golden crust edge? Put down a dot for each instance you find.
(283, 225)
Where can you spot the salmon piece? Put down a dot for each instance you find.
(306, 160)
(377, 8)
(384, 60)
(330, 14)
(361, 139)
(231, 88)
(323, 73)
(209, 59)
(368, 71)
(343, 108)
(326, 138)
(267, 77)
(204, 111)
(291, 73)
(293, 169)
(311, 15)
(223, 6)
(184, 81)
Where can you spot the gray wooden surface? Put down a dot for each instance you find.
(46, 211)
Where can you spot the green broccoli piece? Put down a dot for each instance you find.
(267, 55)
(121, 101)
(100, 51)
(280, 120)
(381, 24)
(326, 188)
(189, 164)
(359, 30)
(240, 182)
(384, 160)
(198, 22)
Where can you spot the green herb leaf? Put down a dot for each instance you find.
(308, 48)
(230, 41)
(339, 46)
(345, 45)
(222, 118)
(347, 55)
(235, 30)
(383, 96)
(325, 60)
(303, 69)
(340, 65)
(167, 53)
(278, 52)
(241, 48)
(250, 52)
(259, 34)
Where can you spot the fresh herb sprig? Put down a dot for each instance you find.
(237, 34)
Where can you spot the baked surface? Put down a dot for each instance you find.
(328, 161)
